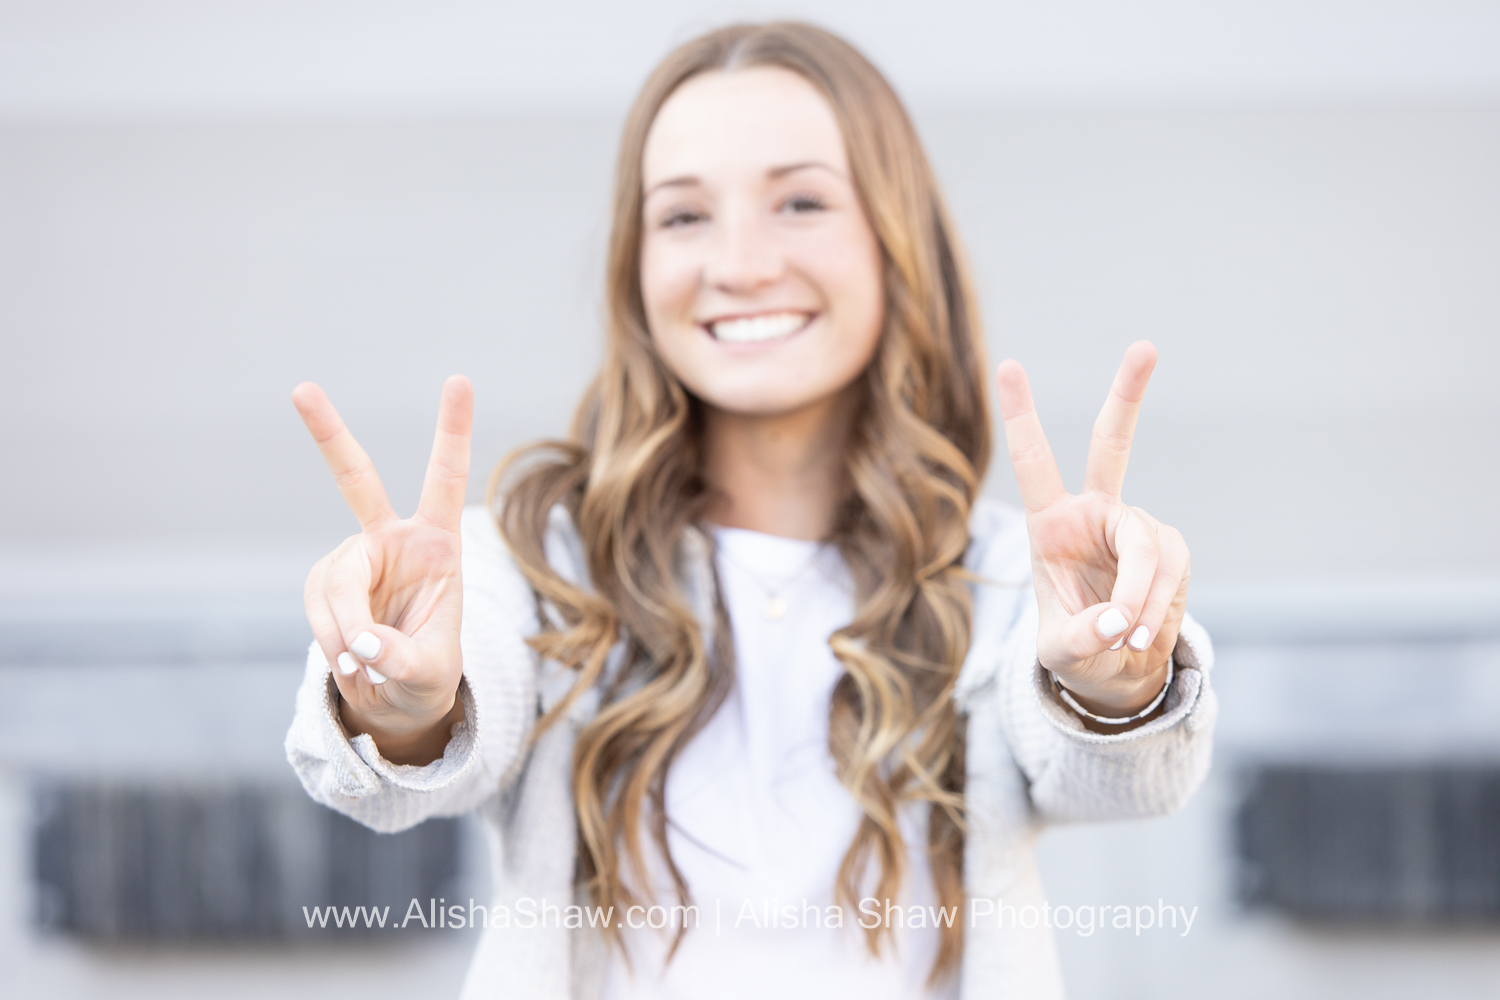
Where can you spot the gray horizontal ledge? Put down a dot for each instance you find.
(1295, 613)
(152, 640)
(222, 632)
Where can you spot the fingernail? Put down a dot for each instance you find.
(1111, 623)
(376, 677)
(1138, 638)
(365, 646)
(347, 664)
(1118, 643)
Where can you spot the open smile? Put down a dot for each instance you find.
(759, 328)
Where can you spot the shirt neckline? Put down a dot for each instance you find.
(774, 556)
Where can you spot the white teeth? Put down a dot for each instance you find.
(756, 328)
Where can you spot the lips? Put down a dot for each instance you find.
(757, 329)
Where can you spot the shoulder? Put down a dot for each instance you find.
(990, 518)
(478, 527)
(999, 548)
(999, 557)
(485, 551)
(487, 562)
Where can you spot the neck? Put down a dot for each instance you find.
(782, 475)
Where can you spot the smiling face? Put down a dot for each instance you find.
(759, 271)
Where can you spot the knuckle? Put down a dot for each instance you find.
(351, 476)
(316, 609)
(1027, 452)
(331, 648)
(340, 584)
(1110, 439)
(349, 610)
(1145, 545)
(1178, 542)
(1155, 610)
(318, 572)
(446, 472)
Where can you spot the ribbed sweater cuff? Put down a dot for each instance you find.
(366, 767)
(1185, 702)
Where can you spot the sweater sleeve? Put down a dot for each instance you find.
(498, 691)
(1075, 774)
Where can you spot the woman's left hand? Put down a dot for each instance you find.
(1111, 580)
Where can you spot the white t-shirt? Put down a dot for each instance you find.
(758, 821)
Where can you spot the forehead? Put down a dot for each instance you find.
(741, 122)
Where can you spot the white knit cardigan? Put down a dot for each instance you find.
(1029, 761)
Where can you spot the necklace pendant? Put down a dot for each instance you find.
(775, 608)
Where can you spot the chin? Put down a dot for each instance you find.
(771, 398)
(769, 384)
(753, 404)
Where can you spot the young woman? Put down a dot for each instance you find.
(753, 690)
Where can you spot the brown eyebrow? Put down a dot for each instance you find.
(809, 164)
(688, 180)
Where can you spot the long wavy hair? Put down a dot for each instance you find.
(631, 477)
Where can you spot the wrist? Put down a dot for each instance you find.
(1119, 706)
(1119, 697)
(402, 737)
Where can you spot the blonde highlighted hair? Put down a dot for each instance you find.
(631, 477)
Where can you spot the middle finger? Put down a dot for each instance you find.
(1114, 430)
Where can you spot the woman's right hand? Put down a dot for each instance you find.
(385, 605)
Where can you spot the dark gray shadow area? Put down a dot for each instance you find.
(240, 862)
(1408, 845)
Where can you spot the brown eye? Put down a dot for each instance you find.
(799, 204)
(681, 217)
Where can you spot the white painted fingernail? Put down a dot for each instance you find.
(1138, 638)
(1111, 623)
(365, 646)
(1118, 643)
(347, 664)
(376, 677)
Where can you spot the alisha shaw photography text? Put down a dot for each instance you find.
(527, 914)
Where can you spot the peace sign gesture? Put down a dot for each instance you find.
(385, 605)
(1111, 581)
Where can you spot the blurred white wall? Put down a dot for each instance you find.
(202, 206)
(180, 58)
(1319, 281)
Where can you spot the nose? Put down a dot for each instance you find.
(743, 256)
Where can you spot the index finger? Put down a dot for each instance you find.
(1030, 455)
(353, 472)
(1114, 430)
(447, 479)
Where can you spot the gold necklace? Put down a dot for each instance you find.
(776, 606)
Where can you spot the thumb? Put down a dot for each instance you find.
(1080, 637)
(388, 654)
